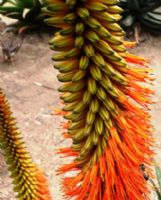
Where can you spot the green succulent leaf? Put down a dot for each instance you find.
(159, 195)
(28, 13)
(143, 12)
(158, 174)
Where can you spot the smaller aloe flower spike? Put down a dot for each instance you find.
(29, 182)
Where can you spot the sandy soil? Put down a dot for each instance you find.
(31, 86)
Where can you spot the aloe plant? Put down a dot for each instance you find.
(106, 105)
(28, 180)
(105, 102)
(143, 12)
(26, 12)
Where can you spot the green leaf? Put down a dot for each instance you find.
(27, 12)
(158, 174)
(10, 9)
(159, 195)
(15, 15)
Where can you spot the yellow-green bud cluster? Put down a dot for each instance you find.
(87, 51)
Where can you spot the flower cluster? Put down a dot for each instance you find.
(29, 182)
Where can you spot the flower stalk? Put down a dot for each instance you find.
(29, 182)
(106, 101)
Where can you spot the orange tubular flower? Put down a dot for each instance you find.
(106, 104)
(29, 182)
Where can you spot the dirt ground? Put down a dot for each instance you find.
(31, 86)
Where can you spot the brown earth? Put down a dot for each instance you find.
(31, 86)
